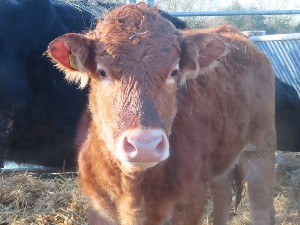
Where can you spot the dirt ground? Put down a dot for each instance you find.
(31, 198)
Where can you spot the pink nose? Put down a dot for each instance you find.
(143, 145)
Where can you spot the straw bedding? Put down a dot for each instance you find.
(26, 198)
(29, 198)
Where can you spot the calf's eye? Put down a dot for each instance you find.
(172, 76)
(174, 73)
(102, 73)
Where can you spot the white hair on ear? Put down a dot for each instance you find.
(190, 74)
(77, 77)
(72, 76)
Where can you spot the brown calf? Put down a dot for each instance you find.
(170, 112)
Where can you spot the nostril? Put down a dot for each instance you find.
(161, 147)
(128, 147)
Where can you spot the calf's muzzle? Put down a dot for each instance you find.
(142, 148)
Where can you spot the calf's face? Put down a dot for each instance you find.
(134, 72)
(133, 102)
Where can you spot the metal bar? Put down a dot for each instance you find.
(295, 54)
(276, 37)
(236, 13)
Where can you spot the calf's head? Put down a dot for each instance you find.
(134, 60)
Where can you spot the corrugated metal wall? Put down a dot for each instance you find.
(284, 53)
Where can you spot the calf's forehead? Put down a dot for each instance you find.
(137, 38)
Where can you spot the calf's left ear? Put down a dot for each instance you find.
(72, 54)
(200, 52)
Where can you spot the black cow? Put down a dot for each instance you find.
(37, 122)
(39, 111)
(287, 117)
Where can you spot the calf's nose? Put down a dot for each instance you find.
(138, 146)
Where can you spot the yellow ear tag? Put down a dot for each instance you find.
(72, 60)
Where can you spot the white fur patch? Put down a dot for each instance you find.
(79, 78)
(170, 81)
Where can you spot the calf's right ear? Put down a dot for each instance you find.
(72, 53)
